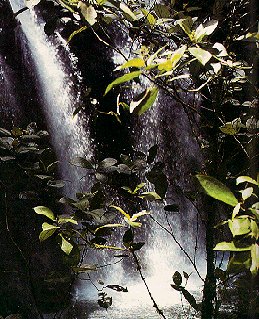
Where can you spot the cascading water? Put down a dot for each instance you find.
(58, 86)
(166, 124)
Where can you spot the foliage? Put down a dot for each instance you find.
(243, 224)
(179, 50)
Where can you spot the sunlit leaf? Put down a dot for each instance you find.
(239, 226)
(217, 190)
(146, 102)
(246, 193)
(47, 231)
(201, 55)
(230, 246)
(125, 78)
(255, 259)
(137, 215)
(150, 196)
(243, 179)
(64, 220)
(66, 246)
(136, 63)
(126, 10)
(81, 162)
(42, 210)
(88, 12)
(121, 211)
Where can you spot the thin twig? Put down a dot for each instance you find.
(155, 305)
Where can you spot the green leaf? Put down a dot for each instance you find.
(134, 63)
(47, 231)
(149, 16)
(217, 190)
(64, 220)
(244, 179)
(239, 226)
(121, 211)
(202, 31)
(42, 210)
(201, 55)
(125, 78)
(65, 245)
(146, 102)
(230, 246)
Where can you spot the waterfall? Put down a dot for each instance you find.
(165, 124)
(59, 89)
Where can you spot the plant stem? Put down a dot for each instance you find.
(155, 305)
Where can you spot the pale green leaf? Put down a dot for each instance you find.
(137, 215)
(201, 55)
(177, 55)
(125, 78)
(244, 179)
(123, 7)
(136, 63)
(239, 226)
(64, 220)
(236, 210)
(217, 190)
(88, 12)
(42, 210)
(255, 259)
(230, 246)
(203, 31)
(132, 223)
(150, 195)
(47, 231)
(66, 246)
(246, 193)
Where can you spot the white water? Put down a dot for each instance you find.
(60, 96)
(71, 137)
